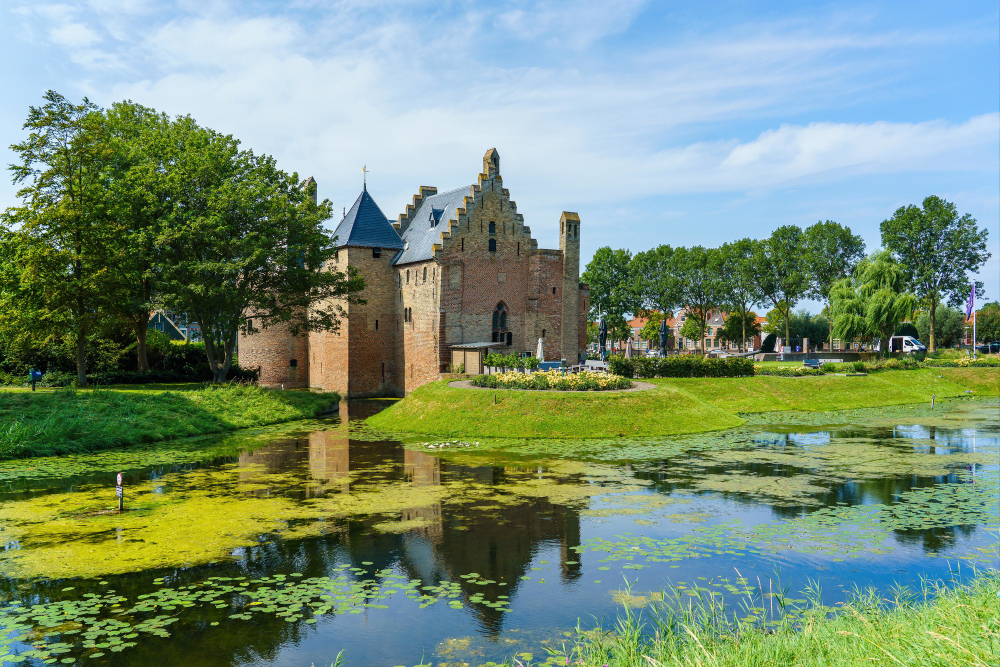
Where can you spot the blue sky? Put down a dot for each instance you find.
(659, 122)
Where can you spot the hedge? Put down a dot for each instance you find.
(687, 366)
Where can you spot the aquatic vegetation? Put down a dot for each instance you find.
(330, 519)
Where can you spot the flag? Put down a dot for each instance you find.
(972, 303)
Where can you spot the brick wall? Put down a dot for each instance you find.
(283, 359)
(419, 292)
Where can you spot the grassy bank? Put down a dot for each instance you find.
(675, 406)
(72, 421)
(958, 626)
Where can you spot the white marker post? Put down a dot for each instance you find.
(119, 492)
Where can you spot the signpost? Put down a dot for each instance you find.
(34, 376)
(120, 492)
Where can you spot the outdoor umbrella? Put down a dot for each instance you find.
(602, 336)
(663, 336)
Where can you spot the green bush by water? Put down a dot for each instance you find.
(72, 421)
(937, 626)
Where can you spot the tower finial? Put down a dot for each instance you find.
(364, 177)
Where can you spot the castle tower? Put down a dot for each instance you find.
(569, 244)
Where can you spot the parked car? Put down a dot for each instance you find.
(653, 353)
(718, 354)
(989, 348)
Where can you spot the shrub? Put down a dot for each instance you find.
(583, 381)
(964, 362)
(789, 371)
(688, 366)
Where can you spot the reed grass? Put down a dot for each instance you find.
(938, 625)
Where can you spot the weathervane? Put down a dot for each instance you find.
(364, 175)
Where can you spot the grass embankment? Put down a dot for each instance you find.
(957, 627)
(675, 406)
(72, 421)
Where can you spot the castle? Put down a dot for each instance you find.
(458, 270)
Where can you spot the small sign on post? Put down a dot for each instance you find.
(120, 492)
(34, 375)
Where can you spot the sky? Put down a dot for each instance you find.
(658, 122)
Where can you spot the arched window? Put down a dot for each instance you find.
(500, 324)
(493, 245)
(407, 276)
(493, 228)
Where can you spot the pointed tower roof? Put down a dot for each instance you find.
(366, 226)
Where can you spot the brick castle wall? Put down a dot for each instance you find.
(400, 338)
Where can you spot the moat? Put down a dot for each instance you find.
(289, 545)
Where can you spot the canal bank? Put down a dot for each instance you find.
(68, 421)
(675, 406)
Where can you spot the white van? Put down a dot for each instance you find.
(904, 344)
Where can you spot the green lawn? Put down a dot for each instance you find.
(63, 421)
(675, 406)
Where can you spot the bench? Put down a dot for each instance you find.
(812, 363)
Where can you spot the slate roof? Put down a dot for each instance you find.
(427, 224)
(365, 225)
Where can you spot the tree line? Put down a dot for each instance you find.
(927, 257)
(125, 210)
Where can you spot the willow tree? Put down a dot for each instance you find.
(872, 303)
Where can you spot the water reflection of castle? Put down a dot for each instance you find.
(457, 536)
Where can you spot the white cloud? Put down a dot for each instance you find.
(73, 35)
(418, 92)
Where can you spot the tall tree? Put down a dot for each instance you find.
(140, 204)
(938, 250)
(871, 304)
(741, 288)
(62, 226)
(988, 323)
(655, 285)
(701, 276)
(784, 278)
(949, 326)
(244, 248)
(612, 292)
(831, 253)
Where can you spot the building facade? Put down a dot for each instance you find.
(457, 267)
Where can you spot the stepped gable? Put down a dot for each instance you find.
(424, 226)
(366, 226)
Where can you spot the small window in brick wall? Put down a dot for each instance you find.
(425, 274)
(376, 252)
(293, 363)
(463, 245)
(493, 228)
(376, 325)
(493, 245)
(553, 290)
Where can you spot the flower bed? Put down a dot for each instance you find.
(583, 381)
